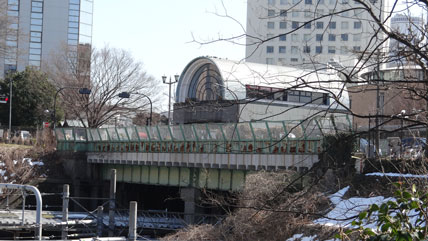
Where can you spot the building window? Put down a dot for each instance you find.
(344, 25)
(306, 37)
(356, 48)
(358, 13)
(282, 25)
(331, 49)
(319, 12)
(332, 2)
(356, 37)
(294, 50)
(344, 37)
(294, 25)
(344, 14)
(269, 36)
(307, 25)
(271, 25)
(332, 25)
(271, 13)
(269, 61)
(271, 2)
(318, 37)
(283, 13)
(294, 13)
(308, 2)
(318, 49)
(306, 49)
(319, 25)
(282, 37)
(357, 25)
(281, 49)
(308, 14)
(281, 61)
(295, 37)
(343, 50)
(294, 60)
(269, 49)
(332, 37)
(283, 2)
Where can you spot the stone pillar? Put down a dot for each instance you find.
(190, 196)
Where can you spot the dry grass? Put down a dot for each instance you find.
(268, 209)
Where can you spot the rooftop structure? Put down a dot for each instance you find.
(218, 90)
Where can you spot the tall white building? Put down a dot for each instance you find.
(304, 32)
(409, 26)
(37, 30)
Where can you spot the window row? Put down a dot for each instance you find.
(318, 37)
(296, 96)
(314, 2)
(294, 50)
(317, 25)
(318, 12)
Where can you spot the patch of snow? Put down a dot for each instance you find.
(295, 237)
(36, 163)
(15, 162)
(2, 173)
(310, 238)
(301, 238)
(345, 211)
(2, 164)
(380, 174)
(337, 197)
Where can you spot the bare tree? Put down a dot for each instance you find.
(107, 72)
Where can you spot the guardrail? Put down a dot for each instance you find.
(247, 137)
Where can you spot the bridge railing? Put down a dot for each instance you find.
(254, 137)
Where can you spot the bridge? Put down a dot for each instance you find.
(210, 155)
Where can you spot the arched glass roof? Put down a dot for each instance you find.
(210, 78)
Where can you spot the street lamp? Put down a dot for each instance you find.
(82, 91)
(169, 95)
(126, 95)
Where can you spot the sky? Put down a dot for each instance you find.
(160, 33)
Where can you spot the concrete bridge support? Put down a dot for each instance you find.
(190, 196)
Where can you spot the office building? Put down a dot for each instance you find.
(38, 30)
(304, 32)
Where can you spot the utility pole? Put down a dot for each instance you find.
(378, 75)
(112, 202)
(65, 200)
(169, 94)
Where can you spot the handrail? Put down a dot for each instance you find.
(264, 131)
(39, 204)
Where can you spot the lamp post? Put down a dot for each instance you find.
(83, 91)
(169, 95)
(127, 95)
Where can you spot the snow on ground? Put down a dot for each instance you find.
(300, 237)
(379, 174)
(345, 211)
(31, 163)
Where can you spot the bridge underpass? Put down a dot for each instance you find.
(193, 156)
